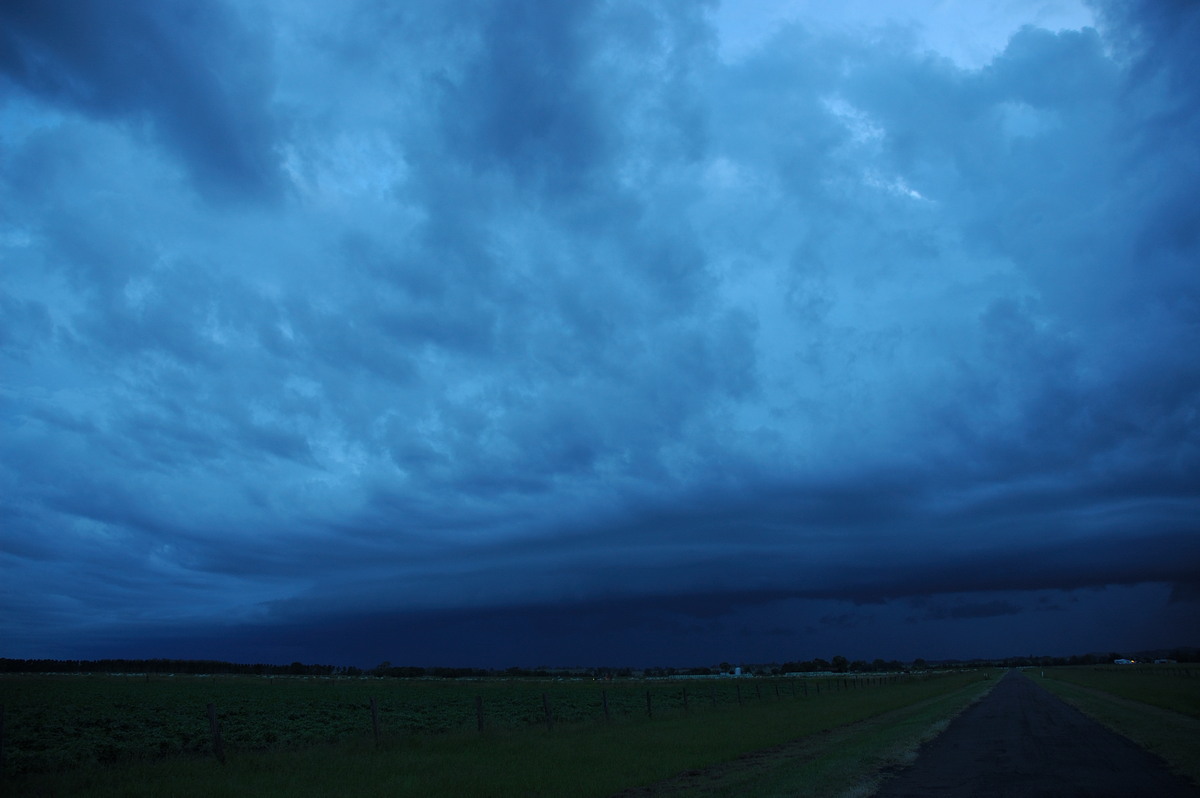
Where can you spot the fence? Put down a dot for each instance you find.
(118, 719)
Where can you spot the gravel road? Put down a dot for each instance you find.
(1023, 741)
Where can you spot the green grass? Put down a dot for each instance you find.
(850, 760)
(582, 758)
(1156, 711)
(58, 722)
(1173, 687)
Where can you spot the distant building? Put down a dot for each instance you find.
(1122, 662)
(1164, 662)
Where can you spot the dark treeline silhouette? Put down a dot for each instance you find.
(837, 664)
(213, 667)
(192, 666)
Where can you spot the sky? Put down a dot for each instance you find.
(604, 332)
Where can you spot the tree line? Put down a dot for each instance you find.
(838, 664)
(189, 666)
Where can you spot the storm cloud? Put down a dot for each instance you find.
(529, 332)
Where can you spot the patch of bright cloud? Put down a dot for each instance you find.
(968, 32)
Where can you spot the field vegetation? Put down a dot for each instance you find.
(112, 735)
(1156, 706)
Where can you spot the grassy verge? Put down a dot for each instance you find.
(1173, 736)
(1166, 686)
(582, 760)
(850, 760)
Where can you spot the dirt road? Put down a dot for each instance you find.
(1023, 741)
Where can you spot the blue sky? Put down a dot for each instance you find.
(516, 333)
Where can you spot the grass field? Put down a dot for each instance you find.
(445, 754)
(1156, 706)
(846, 761)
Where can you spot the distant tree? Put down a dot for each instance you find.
(919, 664)
(407, 671)
(840, 664)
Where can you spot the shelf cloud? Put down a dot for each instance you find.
(609, 333)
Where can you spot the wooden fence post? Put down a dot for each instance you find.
(757, 691)
(739, 693)
(375, 720)
(546, 707)
(215, 729)
(714, 696)
(1, 741)
(649, 706)
(776, 690)
(685, 706)
(479, 712)
(604, 701)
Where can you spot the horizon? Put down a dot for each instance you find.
(1181, 654)
(512, 332)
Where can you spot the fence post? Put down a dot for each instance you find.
(215, 729)
(604, 701)
(714, 696)
(739, 693)
(375, 720)
(757, 691)
(776, 690)
(479, 713)
(685, 706)
(649, 706)
(1, 741)
(546, 706)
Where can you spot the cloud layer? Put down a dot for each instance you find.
(528, 315)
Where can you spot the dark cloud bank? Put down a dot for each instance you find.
(521, 333)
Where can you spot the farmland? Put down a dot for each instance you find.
(1172, 687)
(88, 734)
(1156, 706)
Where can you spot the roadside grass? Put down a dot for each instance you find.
(1173, 687)
(1172, 735)
(850, 761)
(582, 759)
